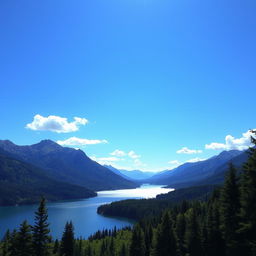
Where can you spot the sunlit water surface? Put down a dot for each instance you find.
(83, 212)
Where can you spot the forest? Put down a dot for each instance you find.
(223, 224)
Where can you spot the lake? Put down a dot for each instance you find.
(83, 213)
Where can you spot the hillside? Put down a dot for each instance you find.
(22, 183)
(67, 165)
(210, 171)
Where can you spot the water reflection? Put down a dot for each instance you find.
(83, 213)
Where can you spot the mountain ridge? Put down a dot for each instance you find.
(133, 174)
(190, 174)
(22, 183)
(67, 165)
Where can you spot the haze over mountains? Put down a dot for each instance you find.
(133, 174)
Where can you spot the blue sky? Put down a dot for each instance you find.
(149, 76)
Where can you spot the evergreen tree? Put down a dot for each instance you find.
(6, 243)
(123, 251)
(67, 241)
(56, 247)
(180, 232)
(247, 229)
(148, 238)
(41, 231)
(165, 244)
(13, 250)
(24, 240)
(192, 235)
(137, 247)
(229, 209)
(215, 242)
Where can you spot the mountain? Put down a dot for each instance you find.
(22, 183)
(210, 171)
(67, 165)
(134, 174)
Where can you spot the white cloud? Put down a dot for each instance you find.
(186, 150)
(232, 143)
(55, 124)
(133, 155)
(174, 162)
(118, 152)
(74, 141)
(139, 163)
(194, 160)
(106, 160)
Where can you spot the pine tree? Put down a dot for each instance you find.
(215, 242)
(192, 235)
(137, 247)
(123, 251)
(180, 232)
(67, 241)
(13, 243)
(165, 244)
(247, 229)
(56, 247)
(6, 243)
(24, 240)
(148, 230)
(229, 209)
(41, 231)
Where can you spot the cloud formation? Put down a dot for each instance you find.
(55, 124)
(133, 155)
(106, 160)
(139, 163)
(177, 163)
(174, 162)
(118, 152)
(194, 160)
(186, 150)
(233, 143)
(74, 141)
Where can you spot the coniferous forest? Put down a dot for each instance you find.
(223, 225)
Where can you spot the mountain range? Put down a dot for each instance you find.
(39, 168)
(132, 175)
(210, 171)
(60, 173)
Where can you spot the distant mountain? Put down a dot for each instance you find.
(210, 171)
(67, 165)
(134, 174)
(22, 183)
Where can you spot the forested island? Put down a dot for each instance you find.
(221, 223)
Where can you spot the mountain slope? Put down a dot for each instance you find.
(134, 174)
(67, 165)
(22, 183)
(191, 174)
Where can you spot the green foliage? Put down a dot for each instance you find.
(165, 242)
(229, 209)
(137, 247)
(24, 240)
(247, 229)
(68, 240)
(41, 231)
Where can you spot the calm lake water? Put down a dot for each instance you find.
(83, 213)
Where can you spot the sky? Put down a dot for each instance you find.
(138, 84)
